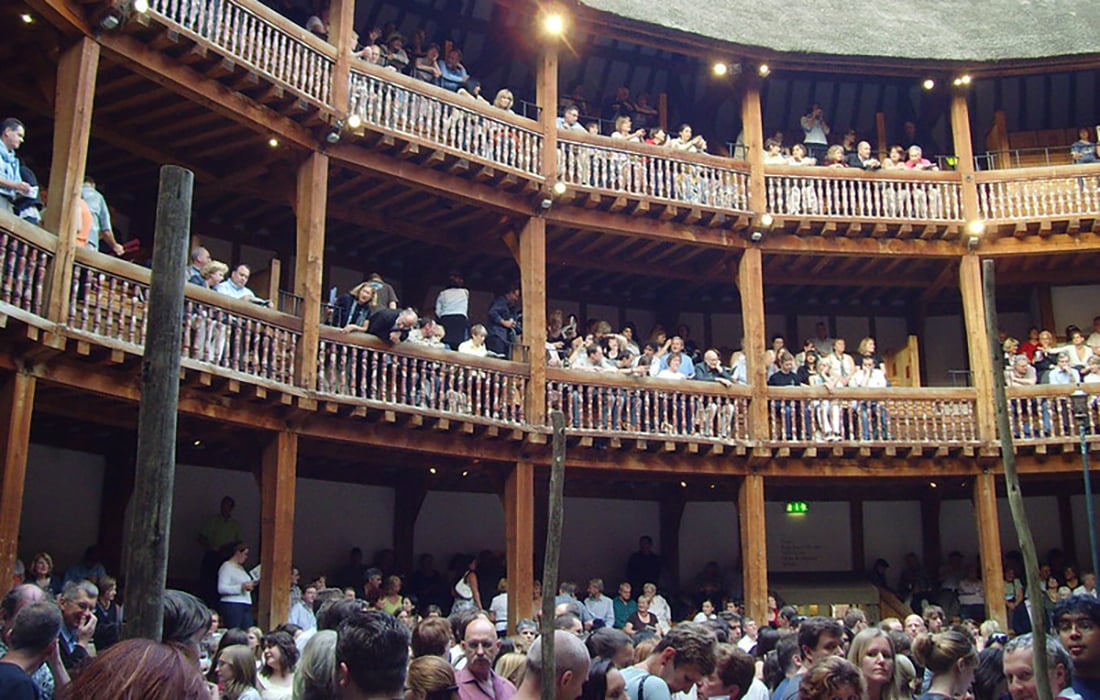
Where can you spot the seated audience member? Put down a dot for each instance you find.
(834, 157)
(301, 613)
(426, 333)
(799, 156)
(472, 88)
(570, 119)
(599, 605)
(680, 660)
(1020, 675)
(77, 602)
(140, 668)
(684, 141)
(213, 274)
(391, 325)
(570, 669)
(675, 348)
(452, 74)
(108, 615)
(505, 100)
(200, 258)
(426, 67)
(394, 52)
(917, 161)
(896, 158)
(624, 129)
(318, 24)
(1083, 150)
(657, 137)
(862, 158)
(476, 344)
(1063, 372)
(237, 284)
(31, 643)
(786, 376)
(353, 309)
(773, 154)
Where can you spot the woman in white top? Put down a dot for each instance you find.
(452, 308)
(498, 607)
(465, 591)
(280, 656)
(235, 589)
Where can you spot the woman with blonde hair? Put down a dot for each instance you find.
(512, 666)
(430, 678)
(952, 659)
(352, 310)
(237, 673)
(873, 654)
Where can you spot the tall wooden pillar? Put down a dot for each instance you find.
(989, 546)
(546, 96)
(532, 272)
(670, 515)
(76, 75)
(964, 152)
(310, 203)
(977, 342)
(279, 469)
(341, 26)
(754, 547)
(750, 284)
(408, 499)
(519, 538)
(16, 407)
(752, 121)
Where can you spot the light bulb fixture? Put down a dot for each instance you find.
(141, 6)
(273, 142)
(766, 219)
(974, 231)
(962, 80)
(554, 24)
(928, 84)
(764, 69)
(559, 188)
(354, 121)
(27, 18)
(720, 69)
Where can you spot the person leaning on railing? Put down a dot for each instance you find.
(1083, 150)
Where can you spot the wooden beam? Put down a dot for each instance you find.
(532, 270)
(519, 538)
(977, 342)
(964, 153)
(750, 284)
(754, 546)
(989, 547)
(76, 74)
(752, 121)
(341, 27)
(309, 261)
(279, 468)
(16, 407)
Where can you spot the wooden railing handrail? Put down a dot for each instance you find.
(1050, 390)
(630, 381)
(898, 393)
(137, 273)
(35, 235)
(1046, 172)
(606, 142)
(816, 171)
(365, 340)
(451, 98)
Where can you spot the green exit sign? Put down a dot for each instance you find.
(797, 507)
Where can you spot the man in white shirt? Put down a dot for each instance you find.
(872, 414)
(236, 285)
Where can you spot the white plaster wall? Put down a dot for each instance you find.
(1081, 527)
(1077, 304)
(853, 329)
(197, 496)
(820, 540)
(726, 330)
(330, 518)
(452, 522)
(958, 528)
(599, 534)
(944, 348)
(891, 529)
(1042, 515)
(61, 501)
(709, 532)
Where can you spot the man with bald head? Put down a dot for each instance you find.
(51, 675)
(570, 668)
(477, 680)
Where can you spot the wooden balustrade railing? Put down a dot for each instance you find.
(642, 170)
(1044, 413)
(613, 405)
(895, 415)
(439, 381)
(26, 256)
(854, 194)
(414, 108)
(1071, 190)
(259, 38)
(109, 299)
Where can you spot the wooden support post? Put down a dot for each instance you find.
(1046, 308)
(752, 121)
(308, 265)
(75, 93)
(149, 519)
(532, 271)
(754, 546)
(989, 547)
(546, 96)
(999, 140)
(279, 468)
(750, 284)
(409, 494)
(16, 407)
(341, 26)
(519, 538)
(553, 552)
(981, 368)
(671, 514)
(662, 111)
(964, 152)
(880, 136)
